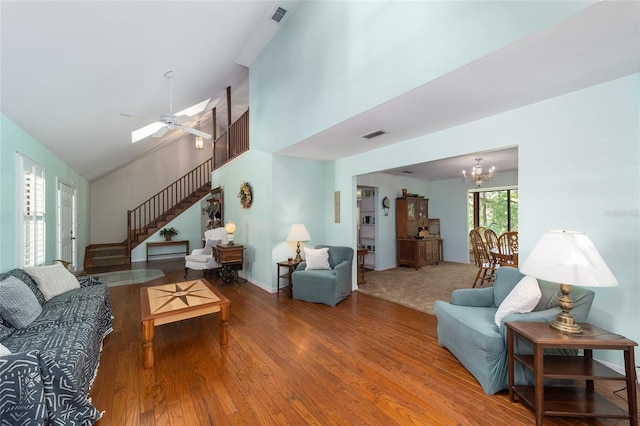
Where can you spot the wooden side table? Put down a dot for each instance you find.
(566, 400)
(230, 257)
(291, 266)
(361, 253)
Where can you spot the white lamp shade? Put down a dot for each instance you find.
(230, 227)
(298, 233)
(568, 257)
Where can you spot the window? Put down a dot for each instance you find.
(32, 190)
(496, 209)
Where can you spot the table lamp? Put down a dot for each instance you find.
(569, 258)
(298, 233)
(230, 227)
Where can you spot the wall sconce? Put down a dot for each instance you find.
(199, 143)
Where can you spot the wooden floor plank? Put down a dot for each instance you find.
(365, 361)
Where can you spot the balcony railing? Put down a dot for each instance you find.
(232, 142)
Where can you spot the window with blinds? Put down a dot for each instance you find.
(32, 184)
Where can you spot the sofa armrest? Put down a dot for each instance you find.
(478, 297)
(301, 266)
(197, 251)
(547, 315)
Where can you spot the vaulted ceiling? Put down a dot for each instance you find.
(70, 69)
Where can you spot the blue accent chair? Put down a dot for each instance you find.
(466, 327)
(328, 286)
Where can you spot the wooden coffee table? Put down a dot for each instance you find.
(169, 303)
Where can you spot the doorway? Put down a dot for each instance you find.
(366, 223)
(66, 224)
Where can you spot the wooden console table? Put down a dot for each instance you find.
(567, 400)
(184, 243)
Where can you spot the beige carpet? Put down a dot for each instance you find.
(419, 289)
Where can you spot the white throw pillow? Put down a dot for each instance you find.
(317, 258)
(53, 280)
(523, 298)
(4, 350)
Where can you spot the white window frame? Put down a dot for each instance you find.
(31, 211)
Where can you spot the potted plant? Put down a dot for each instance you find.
(168, 233)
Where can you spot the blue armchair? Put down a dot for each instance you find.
(466, 326)
(328, 286)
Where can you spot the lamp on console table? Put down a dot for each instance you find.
(298, 233)
(570, 258)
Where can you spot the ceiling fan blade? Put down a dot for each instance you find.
(161, 132)
(195, 132)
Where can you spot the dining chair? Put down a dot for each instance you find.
(508, 246)
(491, 238)
(486, 267)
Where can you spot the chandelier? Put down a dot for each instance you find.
(477, 176)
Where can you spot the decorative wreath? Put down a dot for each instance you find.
(245, 195)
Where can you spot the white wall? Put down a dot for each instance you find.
(127, 188)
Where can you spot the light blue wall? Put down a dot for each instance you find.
(13, 139)
(579, 161)
(338, 59)
(298, 197)
(578, 153)
(189, 227)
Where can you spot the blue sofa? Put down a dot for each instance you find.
(466, 326)
(328, 286)
(54, 360)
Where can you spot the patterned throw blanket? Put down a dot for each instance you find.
(54, 360)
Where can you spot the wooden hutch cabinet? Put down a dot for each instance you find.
(412, 213)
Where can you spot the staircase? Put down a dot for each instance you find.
(139, 235)
(150, 216)
(166, 205)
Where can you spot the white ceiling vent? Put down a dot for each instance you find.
(374, 134)
(278, 14)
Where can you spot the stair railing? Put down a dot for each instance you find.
(152, 210)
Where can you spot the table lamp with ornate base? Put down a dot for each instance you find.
(298, 233)
(570, 258)
(564, 321)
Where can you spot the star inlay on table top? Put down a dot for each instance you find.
(169, 297)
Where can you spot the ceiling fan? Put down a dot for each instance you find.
(170, 121)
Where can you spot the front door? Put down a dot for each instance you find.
(66, 215)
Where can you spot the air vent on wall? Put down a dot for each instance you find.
(374, 134)
(278, 14)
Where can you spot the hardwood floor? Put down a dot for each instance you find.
(366, 361)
